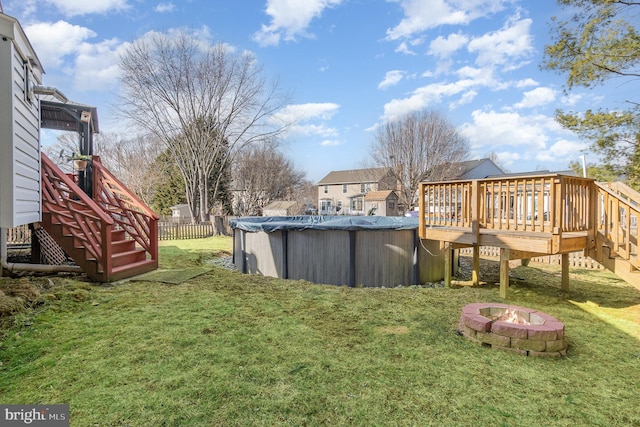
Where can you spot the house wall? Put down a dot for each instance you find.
(335, 193)
(20, 192)
(483, 170)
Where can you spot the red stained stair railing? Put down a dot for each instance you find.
(127, 211)
(86, 225)
(78, 216)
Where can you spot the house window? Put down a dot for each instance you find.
(339, 208)
(356, 204)
(362, 188)
(392, 205)
(326, 189)
(344, 188)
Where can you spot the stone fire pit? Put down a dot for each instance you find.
(511, 328)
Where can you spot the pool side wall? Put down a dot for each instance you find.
(370, 258)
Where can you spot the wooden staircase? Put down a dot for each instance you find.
(616, 238)
(111, 236)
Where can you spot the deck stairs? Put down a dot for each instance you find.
(616, 243)
(111, 235)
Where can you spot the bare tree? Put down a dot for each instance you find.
(131, 160)
(204, 102)
(261, 175)
(415, 148)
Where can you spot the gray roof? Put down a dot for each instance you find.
(67, 116)
(354, 176)
(457, 170)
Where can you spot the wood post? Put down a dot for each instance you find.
(565, 272)
(475, 232)
(475, 266)
(448, 259)
(504, 273)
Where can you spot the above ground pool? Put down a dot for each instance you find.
(369, 251)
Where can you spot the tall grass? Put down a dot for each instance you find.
(226, 349)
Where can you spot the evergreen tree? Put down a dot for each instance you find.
(598, 43)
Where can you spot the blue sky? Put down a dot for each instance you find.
(349, 65)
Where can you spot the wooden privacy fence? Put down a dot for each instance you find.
(576, 259)
(168, 231)
(177, 231)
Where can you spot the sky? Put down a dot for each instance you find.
(348, 65)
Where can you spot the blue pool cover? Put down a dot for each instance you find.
(270, 224)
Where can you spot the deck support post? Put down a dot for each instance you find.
(565, 272)
(504, 272)
(475, 266)
(448, 260)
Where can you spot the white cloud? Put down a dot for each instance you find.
(423, 97)
(54, 41)
(290, 19)
(528, 82)
(466, 98)
(302, 112)
(421, 15)
(330, 143)
(511, 43)
(529, 136)
(563, 149)
(571, 99)
(84, 7)
(96, 65)
(491, 129)
(391, 78)
(445, 47)
(165, 7)
(537, 97)
(307, 119)
(311, 129)
(405, 49)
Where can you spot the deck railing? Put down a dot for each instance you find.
(545, 204)
(618, 213)
(127, 211)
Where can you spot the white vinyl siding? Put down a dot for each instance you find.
(20, 193)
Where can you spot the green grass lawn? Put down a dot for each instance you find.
(226, 349)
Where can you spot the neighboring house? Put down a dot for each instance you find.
(470, 169)
(343, 192)
(283, 208)
(382, 203)
(180, 213)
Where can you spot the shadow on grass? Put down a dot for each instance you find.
(545, 281)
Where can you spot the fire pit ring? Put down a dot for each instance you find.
(515, 329)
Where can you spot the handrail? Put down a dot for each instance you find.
(622, 190)
(70, 206)
(617, 223)
(127, 210)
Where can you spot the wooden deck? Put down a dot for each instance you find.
(530, 216)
